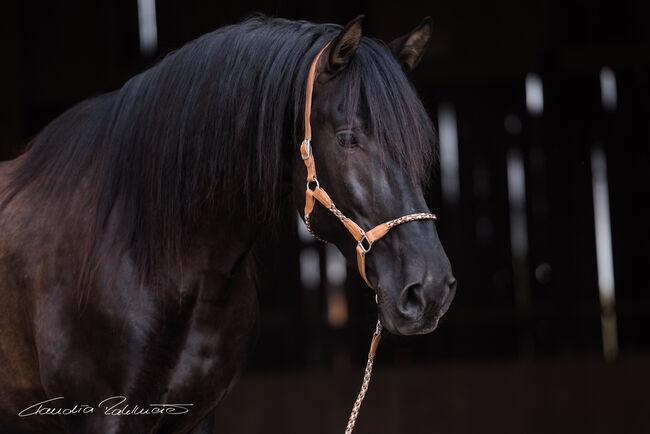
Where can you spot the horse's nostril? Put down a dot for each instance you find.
(411, 301)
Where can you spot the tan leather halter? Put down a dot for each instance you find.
(364, 239)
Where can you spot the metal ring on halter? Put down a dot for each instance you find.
(308, 150)
(317, 184)
(360, 242)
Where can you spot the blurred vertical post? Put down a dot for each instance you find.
(336, 274)
(602, 223)
(147, 27)
(518, 227)
(519, 247)
(448, 133)
(311, 293)
(604, 255)
(451, 226)
(309, 259)
(11, 85)
(516, 179)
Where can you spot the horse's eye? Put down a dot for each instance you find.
(347, 139)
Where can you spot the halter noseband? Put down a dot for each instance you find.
(364, 239)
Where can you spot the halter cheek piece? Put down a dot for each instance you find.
(364, 239)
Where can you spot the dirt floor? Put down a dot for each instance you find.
(550, 396)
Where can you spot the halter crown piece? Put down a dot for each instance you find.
(364, 239)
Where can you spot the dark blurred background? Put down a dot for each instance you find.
(543, 111)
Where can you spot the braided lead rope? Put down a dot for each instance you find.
(362, 394)
(366, 380)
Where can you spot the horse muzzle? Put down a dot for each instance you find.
(417, 308)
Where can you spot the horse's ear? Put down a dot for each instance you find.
(345, 45)
(409, 48)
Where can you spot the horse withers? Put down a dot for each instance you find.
(126, 227)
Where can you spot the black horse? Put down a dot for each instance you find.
(126, 228)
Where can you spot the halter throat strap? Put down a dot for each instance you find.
(314, 192)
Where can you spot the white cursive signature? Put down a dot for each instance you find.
(112, 406)
(128, 410)
(41, 410)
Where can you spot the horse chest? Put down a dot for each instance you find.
(195, 345)
(153, 347)
(217, 341)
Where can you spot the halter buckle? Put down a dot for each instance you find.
(364, 248)
(305, 158)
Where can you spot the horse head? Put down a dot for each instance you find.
(373, 142)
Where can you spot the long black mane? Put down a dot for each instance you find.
(210, 129)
